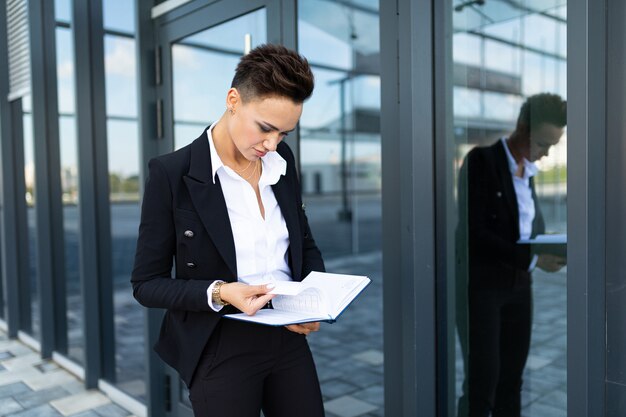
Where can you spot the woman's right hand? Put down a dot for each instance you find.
(247, 298)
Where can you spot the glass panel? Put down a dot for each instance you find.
(119, 15)
(340, 150)
(29, 174)
(63, 10)
(121, 96)
(203, 66)
(69, 186)
(123, 159)
(506, 166)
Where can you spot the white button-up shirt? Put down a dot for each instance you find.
(523, 192)
(260, 243)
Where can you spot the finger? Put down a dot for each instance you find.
(256, 304)
(260, 289)
(312, 327)
(294, 328)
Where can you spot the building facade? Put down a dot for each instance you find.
(91, 90)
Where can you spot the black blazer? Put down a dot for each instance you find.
(489, 222)
(185, 224)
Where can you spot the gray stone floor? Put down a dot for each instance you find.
(32, 387)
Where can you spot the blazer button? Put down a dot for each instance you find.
(188, 233)
(191, 265)
(499, 194)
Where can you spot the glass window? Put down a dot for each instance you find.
(203, 66)
(69, 181)
(340, 152)
(30, 183)
(123, 159)
(63, 10)
(119, 56)
(119, 15)
(508, 185)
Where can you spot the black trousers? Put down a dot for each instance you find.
(499, 332)
(246, 368)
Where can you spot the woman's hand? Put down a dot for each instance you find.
(550, 263)
(247, 298)
(304, 328)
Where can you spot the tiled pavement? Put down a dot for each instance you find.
(32, 387)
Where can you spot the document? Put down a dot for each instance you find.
(320, 296)
(555, 244)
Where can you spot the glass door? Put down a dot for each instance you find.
(199, 54)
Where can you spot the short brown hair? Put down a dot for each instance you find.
(273, 70)
(542, 108)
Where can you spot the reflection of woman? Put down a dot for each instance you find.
(227, 208)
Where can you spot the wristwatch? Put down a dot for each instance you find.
(216, 297)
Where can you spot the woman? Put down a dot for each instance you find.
(228, 209)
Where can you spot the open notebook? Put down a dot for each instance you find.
(319, 297)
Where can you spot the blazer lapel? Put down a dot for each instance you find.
(502, 164)
(287, 203)
(208, 200)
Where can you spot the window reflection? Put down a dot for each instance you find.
(503, 53)
(203, 66)
(34, 327)
(69, 179)
(123, 159)
(340, 171)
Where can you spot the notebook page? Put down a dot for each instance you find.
(307, 301)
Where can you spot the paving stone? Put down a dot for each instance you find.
(8, 406)
(372, 357)
(536, 409)
(89, 413)
(13, 389)
(535, 362)
(35, 398)
(77, 403)
(59, 377)
(17, 376)
(22, 361)
(41, 411)
(110, 410)
(348, 406)
(336, 388)
(5, 355)
(47, 366)
(374, 395)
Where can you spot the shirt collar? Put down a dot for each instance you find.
(216, 161)
(274, 165)
(530, 168)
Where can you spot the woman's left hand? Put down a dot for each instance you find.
(304, 328)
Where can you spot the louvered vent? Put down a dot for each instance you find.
(19, 49)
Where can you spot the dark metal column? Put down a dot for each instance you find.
(48, 203)
(616, 207)
(586, 220)
(14, 230)
(93, 182)
(407, 125)
(148, 77)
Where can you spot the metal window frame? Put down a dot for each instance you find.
(408, 191)
(48, 206)
(586, 217)
(616, 204)
(94, 207)
(13, 226)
